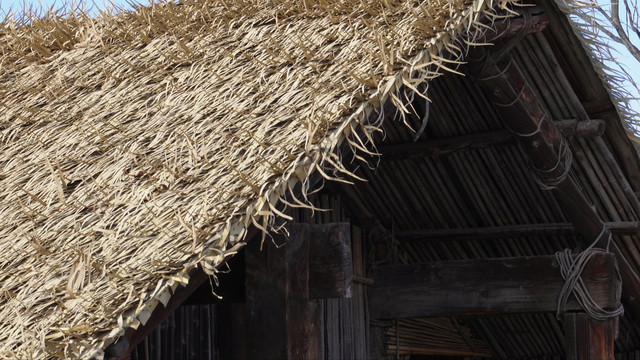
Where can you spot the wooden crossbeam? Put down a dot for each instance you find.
(511, 26)
(483, 287)
(511, 231)
(568, 128)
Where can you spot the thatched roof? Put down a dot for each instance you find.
(134, 147)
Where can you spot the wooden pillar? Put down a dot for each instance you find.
(331, 261)
(277, 293)
(586, 338)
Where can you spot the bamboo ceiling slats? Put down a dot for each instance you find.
(435, 336)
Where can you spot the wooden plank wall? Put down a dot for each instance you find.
(188, 333)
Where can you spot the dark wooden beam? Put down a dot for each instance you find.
(598, 108)
(511, 26)
(511, 231)
(588, 339)
(330, 261)
(483, 287)
(436, 147)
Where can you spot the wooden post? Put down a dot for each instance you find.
(277, 293)
(587, 339)
(283, 321)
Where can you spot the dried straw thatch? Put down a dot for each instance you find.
(135, 146)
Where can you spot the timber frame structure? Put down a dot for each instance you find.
(474, 285)
(455, 239)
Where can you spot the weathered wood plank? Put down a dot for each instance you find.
(316, 343)
(359, 298)
(298, 308)
(237, 346)
(277, 294)
(330, 261)
(478, 287)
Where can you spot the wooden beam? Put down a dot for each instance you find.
(588, 339)
(511, 231)
(277, 292)
(598, 108)
(568, 128)
(483, 287)
(511, 26)
(445, 146)
(330, 261)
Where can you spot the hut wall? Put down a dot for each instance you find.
(207, 328)
(189, 333)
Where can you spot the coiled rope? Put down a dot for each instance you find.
(571, 269)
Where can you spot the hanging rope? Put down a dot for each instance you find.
(571, 269)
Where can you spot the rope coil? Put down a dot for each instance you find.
(571, 269)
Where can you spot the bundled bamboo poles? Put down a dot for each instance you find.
(433, 336)
(137, 145)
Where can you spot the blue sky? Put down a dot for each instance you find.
(5, 5)
(631, 65)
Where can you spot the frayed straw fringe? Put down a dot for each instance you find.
(135, 146)
(588, 28)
